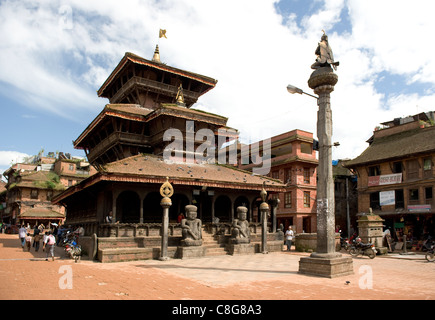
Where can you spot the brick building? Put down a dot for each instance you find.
(396, 175)
(294, 162)
(31, 187)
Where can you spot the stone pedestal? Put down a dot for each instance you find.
(370, 229)
(191, 252)
(241, 248)
(326, 267)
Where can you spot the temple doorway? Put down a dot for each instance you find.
(128, 207)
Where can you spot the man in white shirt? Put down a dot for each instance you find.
(289, 234)
(22, 233)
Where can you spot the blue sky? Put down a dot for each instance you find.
(55, 55)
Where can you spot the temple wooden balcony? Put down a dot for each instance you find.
(115, 138)
(137, 84)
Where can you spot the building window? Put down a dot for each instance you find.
(49, 194)
(306, 148)
(306, 199)
(413, 168)
(288, 176)
(275, 174)
(71, 167)
(70, 183)
(307, 175)
(428, 193)
(413, 194)
(374, 171)
(288, 199)
(399, 199)
(427, 164)
(374, 201)
(397, 167)
(34, 194)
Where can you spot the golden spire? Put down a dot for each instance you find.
(156, 57)
(180, 97)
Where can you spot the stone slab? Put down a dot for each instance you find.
(191, 252)
(326, 267)
(241, 248)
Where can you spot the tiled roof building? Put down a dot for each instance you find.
(396, 174)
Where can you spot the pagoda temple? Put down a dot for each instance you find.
(127, 141)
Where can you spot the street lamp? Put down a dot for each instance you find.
(292, 89)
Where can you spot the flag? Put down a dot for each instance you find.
(162, 33)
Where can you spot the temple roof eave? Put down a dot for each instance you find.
(269, 184)
(135, 59)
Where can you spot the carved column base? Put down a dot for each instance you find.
(326, 267)
(191, 252)
(241, 248)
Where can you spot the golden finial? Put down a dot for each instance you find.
(180, 96)
(156, 57)
(166, 190)
(263, 192)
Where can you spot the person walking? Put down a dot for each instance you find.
(28, 241)
(289, 234)
(22, 233)
(49, 246)
(36, 241)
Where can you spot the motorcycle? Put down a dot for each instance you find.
(73, 250)
(367, 249)
(347, 244)
(429, 246)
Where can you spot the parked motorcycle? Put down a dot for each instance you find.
(348, 243)
(429, 246)
(360, 248)
(73, 250)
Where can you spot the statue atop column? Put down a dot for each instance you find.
(191, 227)
(324, 54)
(240, 232)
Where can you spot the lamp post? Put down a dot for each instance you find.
(322, 81)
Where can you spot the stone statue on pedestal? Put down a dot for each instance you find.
(191, 228)
(240, 232)
(324, 54)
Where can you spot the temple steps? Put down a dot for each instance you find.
(119, 249)
(214, 247)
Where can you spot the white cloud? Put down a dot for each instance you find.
(7, 158)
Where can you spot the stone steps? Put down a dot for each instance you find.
(118, 249)
(214, 248)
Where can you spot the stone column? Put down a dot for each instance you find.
(166, 191)
(325, 261)
(264, 210)
(141, 210)
(322, 81)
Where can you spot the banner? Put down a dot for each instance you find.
(385, 179)
(387, 198)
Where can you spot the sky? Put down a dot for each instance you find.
(55, 55)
